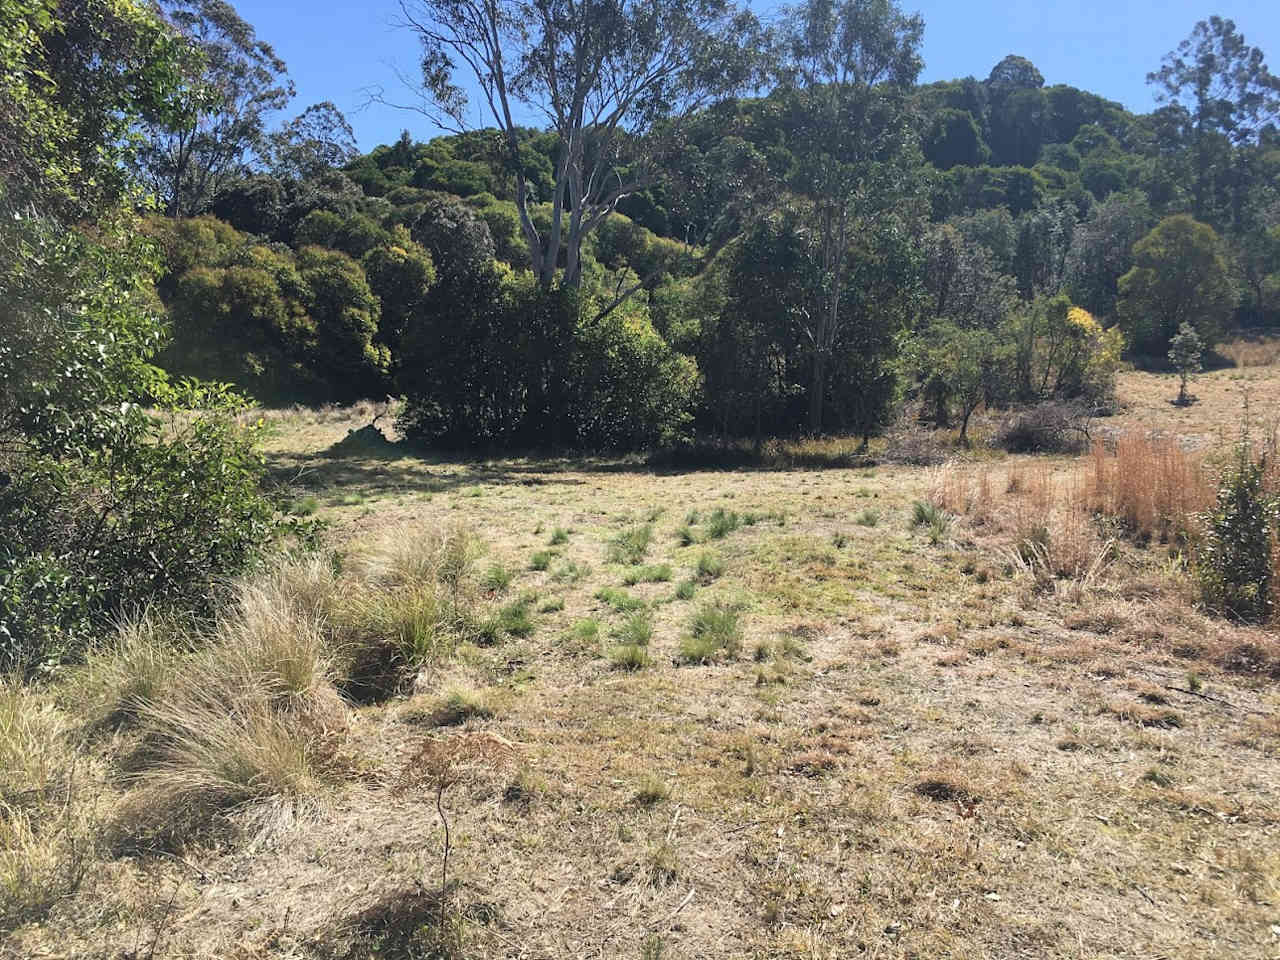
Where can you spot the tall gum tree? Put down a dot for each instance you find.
(614, 80)
(848, 67)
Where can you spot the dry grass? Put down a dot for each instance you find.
(1151, 485)
(938, 749)
(1257, 352)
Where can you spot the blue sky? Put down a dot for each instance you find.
(334, 50)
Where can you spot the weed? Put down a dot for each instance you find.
(552, 605)
(559, 536)
(541, 560)
(685, 536)
(657, 573)
(686, 590)
(586, 630)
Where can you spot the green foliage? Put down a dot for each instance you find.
(108, 505)
(1180, 275)
(1234, 564)
(710, 566)
(657, 573)
(619, 600)
(1185, 352)
(722, 522)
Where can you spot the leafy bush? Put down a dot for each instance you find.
(1235, 562)
(107, 506)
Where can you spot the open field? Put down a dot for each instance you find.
(755, 713)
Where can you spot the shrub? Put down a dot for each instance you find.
(109, 506)
(1234, 563)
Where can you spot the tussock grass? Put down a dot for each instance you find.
(630, 546)
(32, 748)
(654, 573)
(710, 567)
(636, 630)
(559, 537)
(629, 656)
(619, 600)
(686, 590)
(685, 536)
(541, 560)
(652, 789)
(586, 630)
(497, 578)
(722, 522)
(867, 518)
(461, 703)
(132, 668)
(714, 633)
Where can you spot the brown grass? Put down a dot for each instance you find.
(1150, 484)
(1259, 352)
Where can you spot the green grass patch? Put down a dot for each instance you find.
(515, 618)
(714, 633)
(619, 600)
(628, 656)
(655, 573)
(570, 572)
(630, 546)
(559, 536)
(686, 590)
(497, 578)
(541, 560)
(636, 630)
(710, 566)
(722, 523)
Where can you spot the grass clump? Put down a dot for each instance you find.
(655, 573)
(515, 618)
(497, 578)
(938, 522)
(867, 518)
(541, 560)
(559, 537)
(710, 567)
(722, 523)
(636, 630)
(630, 546)
(714, 633)
(551, 605)
(686, 590)
(570, 572)
(586, 630)
(459, 704)
(629, 656)
(619, 600)
(685, 536)
(652, 789)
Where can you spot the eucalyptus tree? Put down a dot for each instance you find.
(613, 80)
(848, 67)
(1227, 96)
(234, 82)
